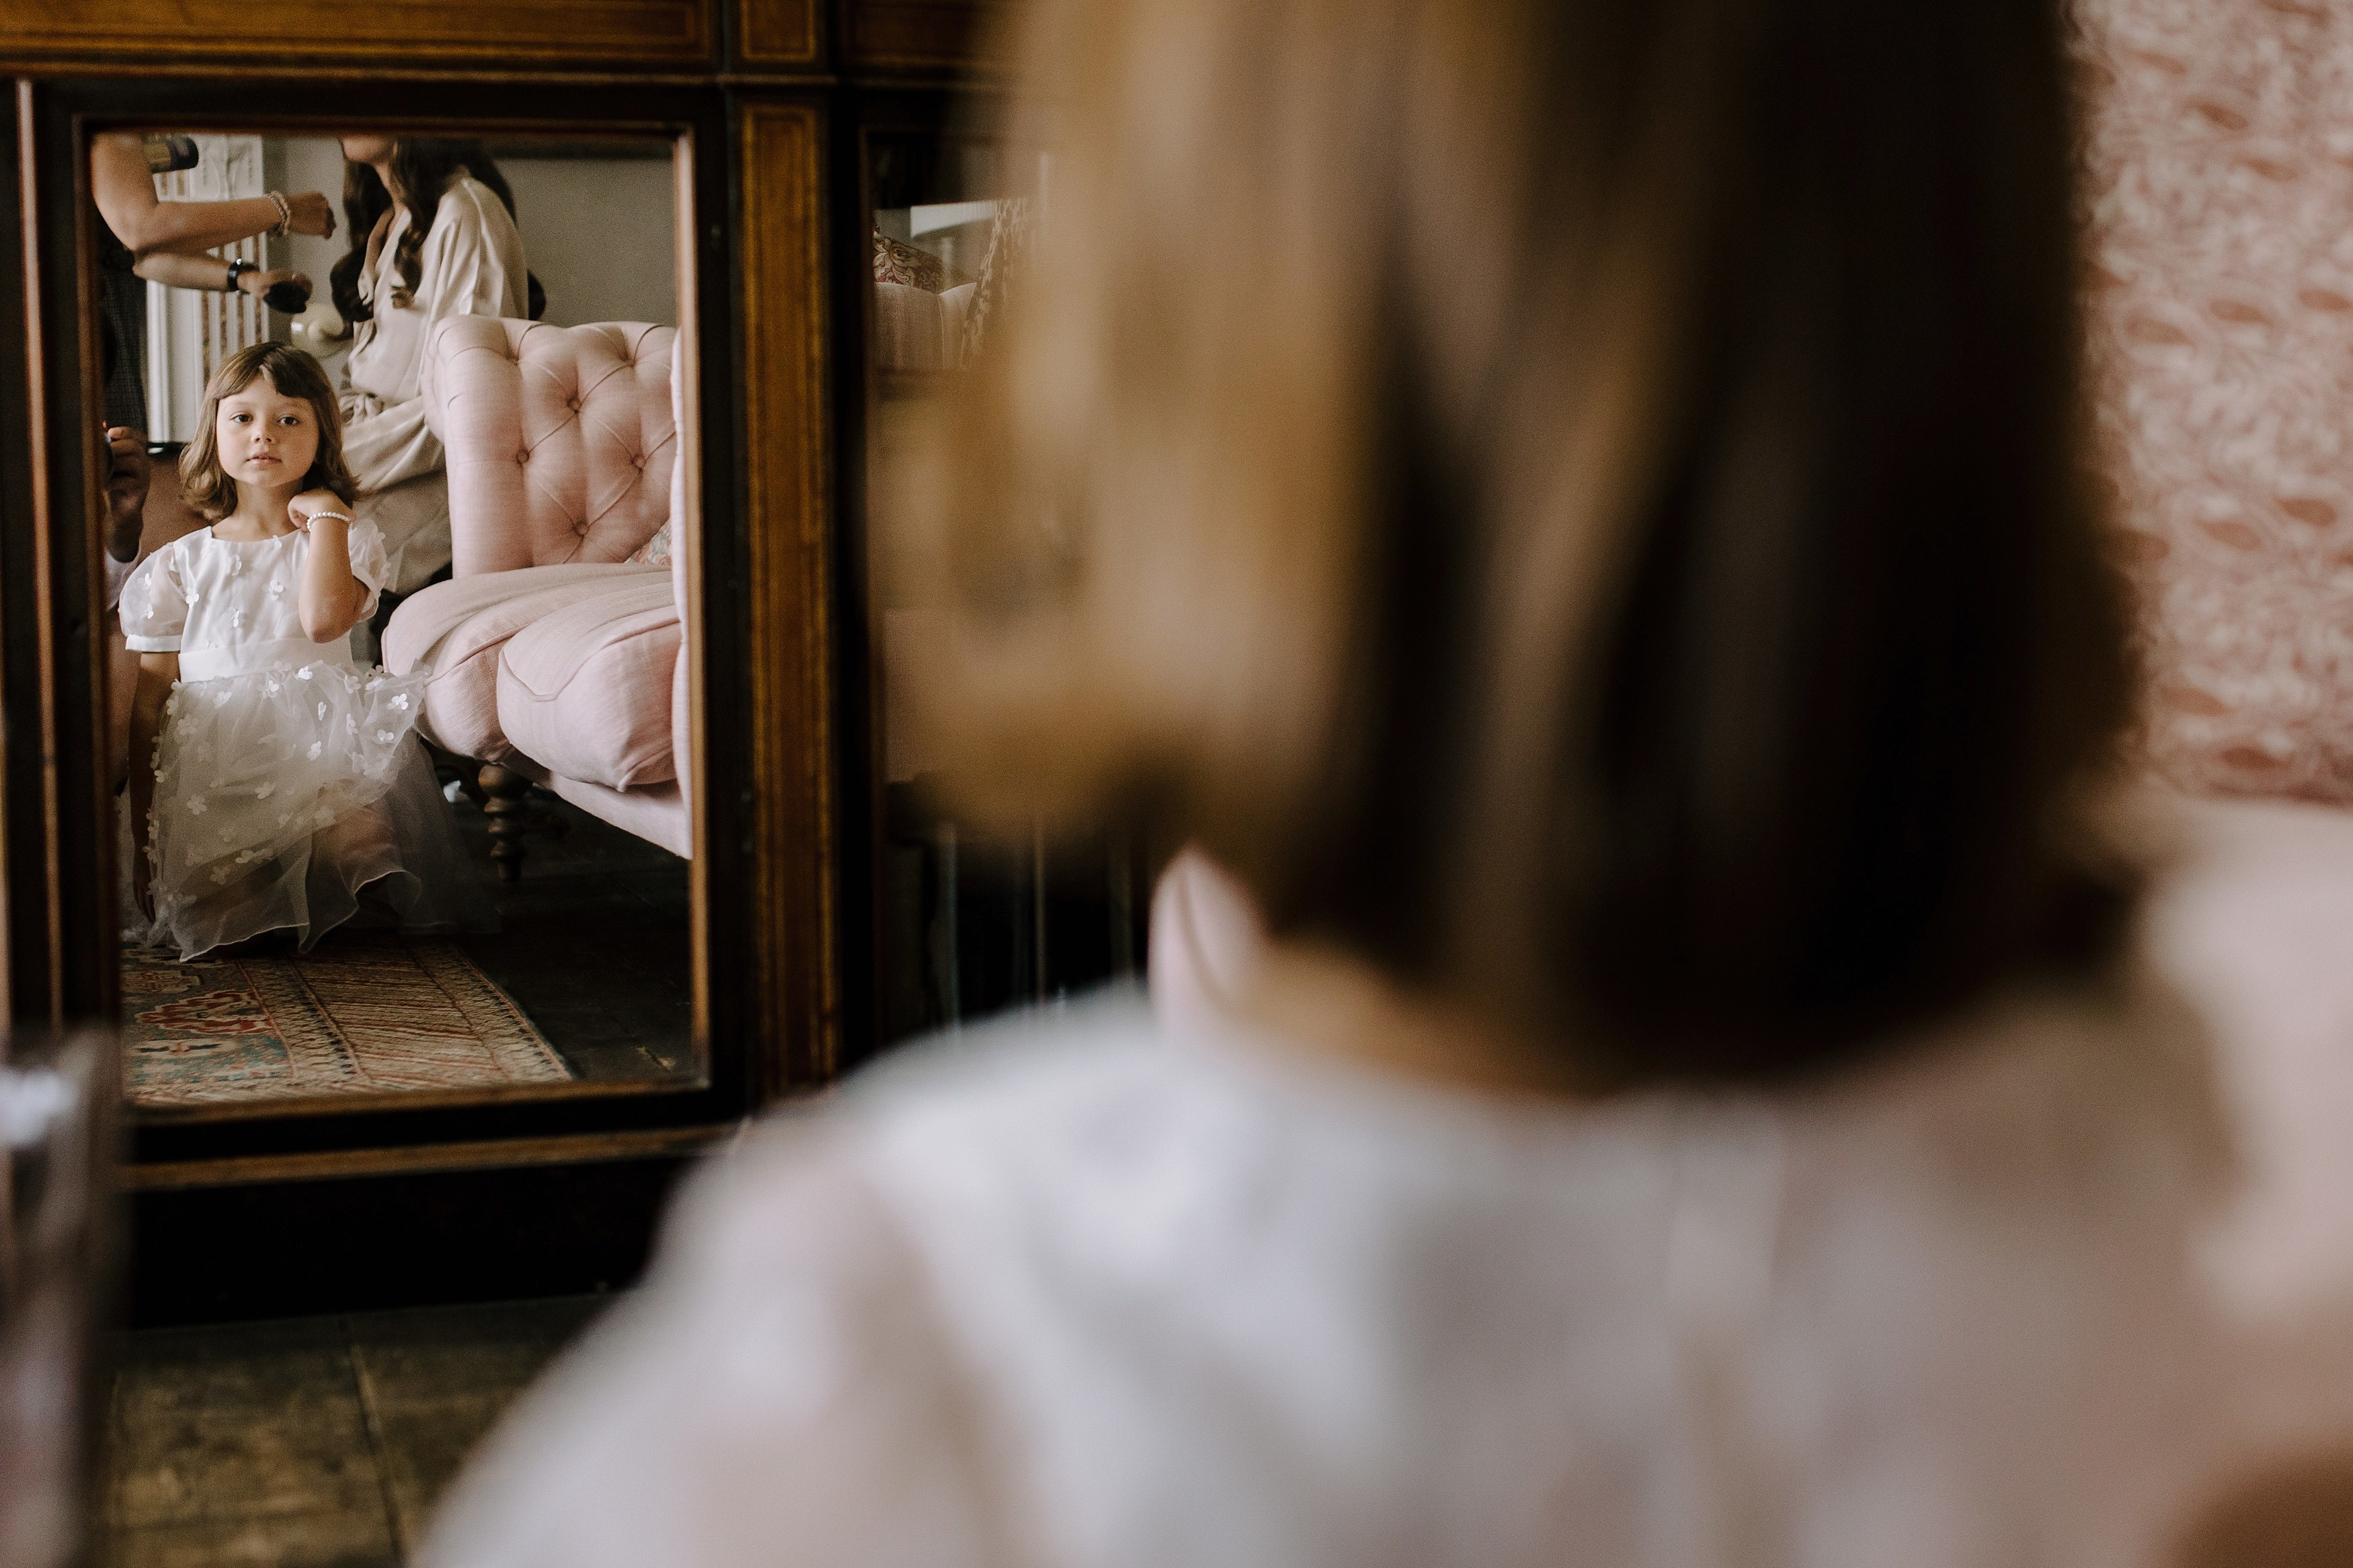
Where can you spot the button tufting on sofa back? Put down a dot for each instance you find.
(560, 441)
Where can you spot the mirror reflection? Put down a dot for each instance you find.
(974, 921)
(395, 542)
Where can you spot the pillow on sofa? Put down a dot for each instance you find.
(654, 551)
(896, 261)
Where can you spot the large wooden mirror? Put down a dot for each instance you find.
(677, 945)
(441, 841)
(584, 912)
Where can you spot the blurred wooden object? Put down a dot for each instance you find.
(919, 34)
(2296, 1514)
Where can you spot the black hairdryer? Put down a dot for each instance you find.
(170, 154)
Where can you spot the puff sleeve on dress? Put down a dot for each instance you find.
(369, 561)
(154, 605)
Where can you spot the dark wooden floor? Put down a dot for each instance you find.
(593, 941)
(308, 1442)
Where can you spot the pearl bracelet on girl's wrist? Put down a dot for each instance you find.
(338, 516)
(285, 213)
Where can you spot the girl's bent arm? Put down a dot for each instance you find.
(331, 597)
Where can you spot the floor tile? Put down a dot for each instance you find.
(310, 1443)
(248, 1422)
(435, 1383)
(331, 1539)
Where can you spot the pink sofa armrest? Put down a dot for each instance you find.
(682, 487)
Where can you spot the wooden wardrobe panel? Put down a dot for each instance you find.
(919, 34)
(773, 33)
(788, 531)
(674, 33)
(27, 986)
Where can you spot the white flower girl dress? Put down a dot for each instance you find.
(291, 788)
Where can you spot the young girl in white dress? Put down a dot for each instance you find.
(275, 785)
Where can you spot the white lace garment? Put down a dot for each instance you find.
(286, 779)
(471, 264)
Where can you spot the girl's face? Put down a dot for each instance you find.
(367, 149)
(264, 437)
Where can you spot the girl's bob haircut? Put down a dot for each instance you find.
(1584, 507)
(212, 494)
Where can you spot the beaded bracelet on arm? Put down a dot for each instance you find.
(284, 212)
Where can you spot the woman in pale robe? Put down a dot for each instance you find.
(466, 258)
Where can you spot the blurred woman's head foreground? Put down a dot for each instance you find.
(1579, 507)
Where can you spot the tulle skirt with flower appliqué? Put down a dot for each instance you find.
(299, 800)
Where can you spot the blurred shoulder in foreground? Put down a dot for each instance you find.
(1034, 1294)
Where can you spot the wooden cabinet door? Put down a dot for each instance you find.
(918, 35)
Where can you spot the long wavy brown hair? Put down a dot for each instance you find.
(1583, 506)
(210, 493)
(422, 167)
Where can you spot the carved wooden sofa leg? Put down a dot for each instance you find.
(508, 806)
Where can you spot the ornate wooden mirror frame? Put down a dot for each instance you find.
(437, 1197)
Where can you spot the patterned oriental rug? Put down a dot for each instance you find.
(357, 1015)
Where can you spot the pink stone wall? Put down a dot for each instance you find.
(2220, 143)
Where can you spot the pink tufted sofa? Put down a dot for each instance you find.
(556, 651)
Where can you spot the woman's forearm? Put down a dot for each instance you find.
(175, 270)
(188, 228)
(125, 194)
(192, 228)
